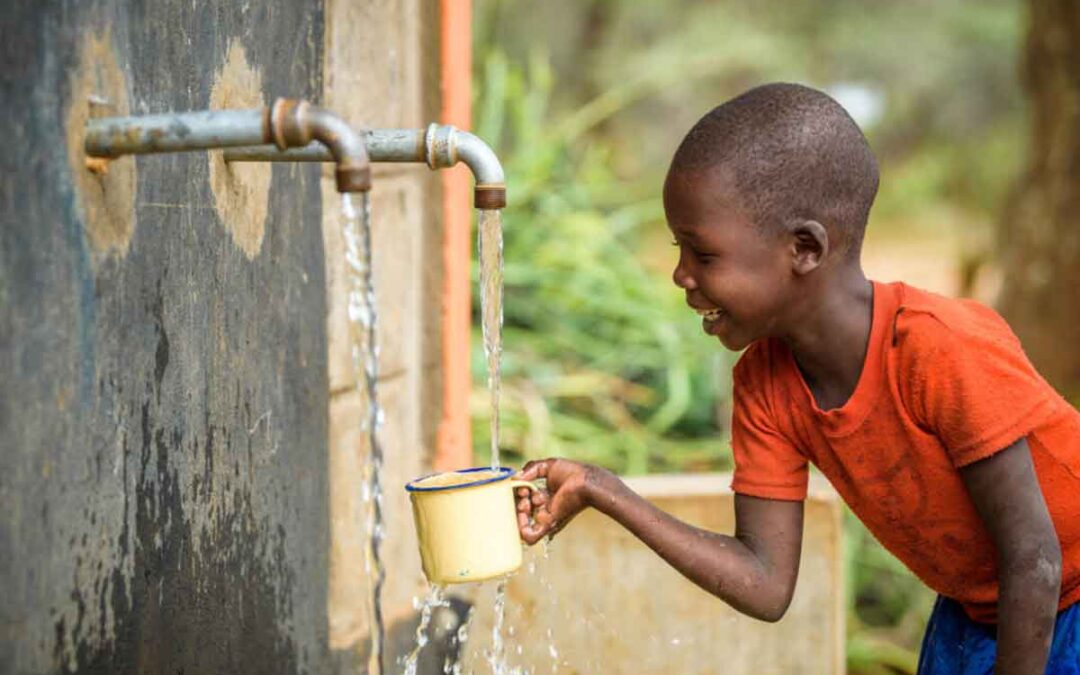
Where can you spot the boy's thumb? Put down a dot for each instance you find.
(558, 507)
(534, 469)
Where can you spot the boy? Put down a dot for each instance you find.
(922, 411)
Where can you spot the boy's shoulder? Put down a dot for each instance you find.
(927, 321)
(959, 371)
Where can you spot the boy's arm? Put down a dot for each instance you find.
(754, 571)
(1007, 496)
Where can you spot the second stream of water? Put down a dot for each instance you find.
(363, 319)
(490, 255)
(490, 247)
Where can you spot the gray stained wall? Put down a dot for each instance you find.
(163, 384)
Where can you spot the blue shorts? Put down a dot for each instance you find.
(956, 645)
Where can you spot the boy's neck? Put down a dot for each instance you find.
(829, 339)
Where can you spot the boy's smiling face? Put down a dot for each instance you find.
(735, 275)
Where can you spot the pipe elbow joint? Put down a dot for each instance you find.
(490, 190)
(295, 124)
(446, 146)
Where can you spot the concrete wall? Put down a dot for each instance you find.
(599, 601)
(174, 402)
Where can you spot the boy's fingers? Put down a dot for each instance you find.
(537, 468)
(543, 517)
(533, 533)
(539, 498)
(527, 470)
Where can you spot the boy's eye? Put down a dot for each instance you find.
(704, 257)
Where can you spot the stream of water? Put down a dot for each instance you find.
(490, 244)
(452, 666)
(363, 325)
(496, 657)
(542, 579)
(426, 606)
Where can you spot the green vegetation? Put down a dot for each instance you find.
(603, 362)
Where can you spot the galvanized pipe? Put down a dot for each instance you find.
(439, 146)
(113, 137)
(383, 145)
(288, 123)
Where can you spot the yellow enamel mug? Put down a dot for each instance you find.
(466, 524)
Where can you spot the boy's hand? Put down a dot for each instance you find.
(569, 485)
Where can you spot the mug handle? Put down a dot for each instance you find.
(525, 484)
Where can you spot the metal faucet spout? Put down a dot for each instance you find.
(297, 123)
(446, 145)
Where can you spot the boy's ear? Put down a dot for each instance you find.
(809, 245)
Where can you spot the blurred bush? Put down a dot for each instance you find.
(603, 361)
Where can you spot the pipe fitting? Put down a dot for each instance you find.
(295, 124)
(288, 127)
(446, 146)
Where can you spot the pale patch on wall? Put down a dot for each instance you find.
(241, 190)
(105, 190)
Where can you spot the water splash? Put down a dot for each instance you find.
(459, 640)
(433, 599)
(363, 324)
(552, 651)
(544, 581)
(496, 656)
(490, 244)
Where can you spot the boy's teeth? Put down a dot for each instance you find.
(710, 314)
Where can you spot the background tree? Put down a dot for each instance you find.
(1040, 234)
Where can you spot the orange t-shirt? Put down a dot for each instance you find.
(945, 383)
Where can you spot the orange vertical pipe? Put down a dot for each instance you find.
(454, 442)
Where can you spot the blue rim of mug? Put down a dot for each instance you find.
(504, 473)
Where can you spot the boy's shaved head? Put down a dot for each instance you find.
(790, 152)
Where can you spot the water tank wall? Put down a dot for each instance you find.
(164, 388)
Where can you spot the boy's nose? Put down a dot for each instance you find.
(683, 279)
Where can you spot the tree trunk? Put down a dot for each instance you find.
(1040, 235)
